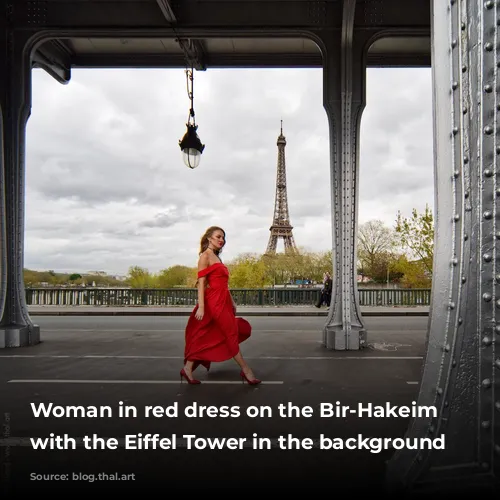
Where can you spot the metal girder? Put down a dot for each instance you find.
(167, 10)
(55, 58)
(269, 60)
(190, 14)
(221, 60)
(398, 60)
(193, 52)
(193, 49)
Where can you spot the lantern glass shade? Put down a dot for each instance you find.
(191, 147)
(191, 157)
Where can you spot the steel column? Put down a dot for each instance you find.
(461, 375)
(16, 327)
(344, 77)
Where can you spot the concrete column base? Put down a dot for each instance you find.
(15, 336)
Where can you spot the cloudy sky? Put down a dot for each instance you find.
(106, 187)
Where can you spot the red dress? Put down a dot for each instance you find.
(217, 336)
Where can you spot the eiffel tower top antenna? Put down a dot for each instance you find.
(281, 227)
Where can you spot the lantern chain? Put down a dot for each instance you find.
(190, 92)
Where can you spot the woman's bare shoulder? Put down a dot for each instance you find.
(203, 261)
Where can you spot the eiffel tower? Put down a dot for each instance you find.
(281, 227)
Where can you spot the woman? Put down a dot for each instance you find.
(326, 292)
(213, 332)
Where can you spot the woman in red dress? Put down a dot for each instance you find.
(213, 332)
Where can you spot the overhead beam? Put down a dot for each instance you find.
(193, 52)
(141, 14)
(221, 15)
(55, 58)
(269, 60)
(193, 49)
(167, 10)
(398, 60)
(212, 60)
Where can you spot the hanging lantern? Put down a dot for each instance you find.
(191, 146)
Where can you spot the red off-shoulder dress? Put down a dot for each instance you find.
(217, 336)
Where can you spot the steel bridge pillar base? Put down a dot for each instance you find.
(19, 336)
(337, 338)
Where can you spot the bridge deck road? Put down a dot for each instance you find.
(134, 362)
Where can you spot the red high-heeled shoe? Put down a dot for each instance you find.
(189, 380)
(254, 381)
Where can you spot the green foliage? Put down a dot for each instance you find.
(139, 277)
(383, 268)
(413, 274)
(248, 271)
(416, 234)
(175, 276)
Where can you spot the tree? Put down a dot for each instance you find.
(248, 271)
(416, 234)
(140, 278)
(413, 274)
(376, 248)
(174, 276)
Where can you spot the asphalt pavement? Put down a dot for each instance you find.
(48, 310)
(134, 362)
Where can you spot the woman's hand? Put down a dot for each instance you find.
(200, 313)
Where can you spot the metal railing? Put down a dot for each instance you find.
(188, 296)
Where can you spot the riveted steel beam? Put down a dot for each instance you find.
(344, 101)
(461, 373)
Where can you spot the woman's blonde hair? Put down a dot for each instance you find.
(204, 239)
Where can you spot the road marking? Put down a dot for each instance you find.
(285, 358)
(412, 383)
(75, 381)
(163, 330)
